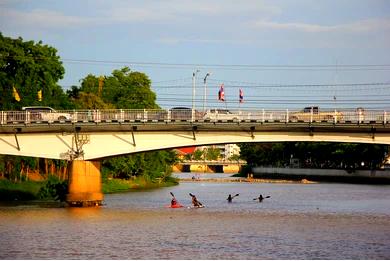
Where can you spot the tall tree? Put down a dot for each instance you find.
(123, 89)
(30, 67)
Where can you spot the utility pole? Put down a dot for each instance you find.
(193, 93)
(205, 92)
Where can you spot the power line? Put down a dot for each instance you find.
(306, 67)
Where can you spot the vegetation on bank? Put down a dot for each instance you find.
(55, 189)
(322, 155)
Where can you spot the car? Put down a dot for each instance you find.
(220, 114)
(43, 113)
(313, 113)
(181, 113)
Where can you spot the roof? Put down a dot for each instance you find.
(186, 150)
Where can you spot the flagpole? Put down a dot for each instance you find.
(205, 92)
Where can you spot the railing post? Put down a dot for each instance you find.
(287, 118)
(145, 115)
(122, 116)
(98, 119)
(192, 115)
(311, 115)
(27, 117)
(335, 116)
(384, 117)
(263, 120)
(75, 116)
(2, 117)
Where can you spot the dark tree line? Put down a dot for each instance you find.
(315, 154)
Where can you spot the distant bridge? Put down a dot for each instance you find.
(212, 162)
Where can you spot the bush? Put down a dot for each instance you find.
(54, 188)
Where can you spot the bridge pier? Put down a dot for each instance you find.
(85, 186)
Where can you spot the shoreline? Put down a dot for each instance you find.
(246, 180)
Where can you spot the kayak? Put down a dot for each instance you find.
(202, 206)
(174, 206)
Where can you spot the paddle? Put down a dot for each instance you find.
(172, 194)
(263, 198)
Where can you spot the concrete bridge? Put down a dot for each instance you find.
(221, 166)
(86, 136)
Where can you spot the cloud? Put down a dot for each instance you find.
(42, 18)
(146, 12)
(362, 26)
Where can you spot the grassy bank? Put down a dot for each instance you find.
(27, 190)
(30, 190)
(121, 185)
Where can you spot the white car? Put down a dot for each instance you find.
(220, 114)
(43, 113)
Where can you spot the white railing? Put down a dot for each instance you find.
(188, 115)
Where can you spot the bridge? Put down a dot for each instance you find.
(96, 134)
(225, 166)
(86, 136)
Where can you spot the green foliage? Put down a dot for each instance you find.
(30, 67)
(54, 189)
(212, 153)
(315, 154)
(10, 191)
(198, 154)
(151, 165)
(124, 89)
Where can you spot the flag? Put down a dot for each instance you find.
(221, 93)
(39, 95)
(15, 93)
(241, 96)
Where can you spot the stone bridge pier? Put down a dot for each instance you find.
(85, 186)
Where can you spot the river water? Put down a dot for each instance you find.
(299, 221)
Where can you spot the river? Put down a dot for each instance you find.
(299, 221)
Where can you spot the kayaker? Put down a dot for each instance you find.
(260, 198)
(195, 201)
(230, 197)
(174, 202)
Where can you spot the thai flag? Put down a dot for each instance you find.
(241, 96)
(221, 93)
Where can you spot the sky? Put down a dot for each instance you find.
(282, 54)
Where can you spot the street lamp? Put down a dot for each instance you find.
(193, 93)
(205, 92)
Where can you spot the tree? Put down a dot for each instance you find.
(124, 89)
(212, 153)
(315, 154)
(30, 67)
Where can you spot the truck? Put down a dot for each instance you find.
(313, 114)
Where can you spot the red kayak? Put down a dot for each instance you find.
(175, 206)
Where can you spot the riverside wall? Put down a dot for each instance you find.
(324, 174)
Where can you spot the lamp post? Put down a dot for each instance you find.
(193, 93)
(205, 92)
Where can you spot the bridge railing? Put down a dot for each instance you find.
(358, 116)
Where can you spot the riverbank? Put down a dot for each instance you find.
(121, 185)
(324, 175)
(249, 180)
(30, 190)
